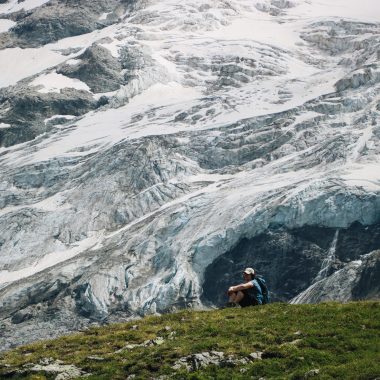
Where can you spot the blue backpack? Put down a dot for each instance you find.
(264, 289)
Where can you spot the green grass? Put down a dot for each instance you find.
(340, 340)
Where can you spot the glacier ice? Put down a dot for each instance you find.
(205, 136)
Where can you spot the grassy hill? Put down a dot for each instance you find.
(277, 341)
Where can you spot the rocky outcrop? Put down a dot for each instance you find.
(195, 362)
(25, 111)
(97, 68)
(368, 284)
(56, 20)
(291, 260)
(28, 110)
(50, 367)
(357, 280)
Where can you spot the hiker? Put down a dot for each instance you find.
(248, 293)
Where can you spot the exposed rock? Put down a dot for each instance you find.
(195, 362)
(295, 342)
(56, 20)
(356, 241)
(290, 260)
(96, 358)
(21, 316)
(97, 68)
(58, 120)
(155, 342)
(25, 110)
(311, 373)
(148, 343)
(368, 285)
(51, 368)
(357, 280)
(28, 106)
(256, 355)
(287, 259)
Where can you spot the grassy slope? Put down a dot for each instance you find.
(341, 340)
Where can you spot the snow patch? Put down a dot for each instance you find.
(16, 5)
(92, 128)
(47, 261)
(73, 62)
(113, 47)
(17, 64)
(103, 16)
(67, 117)
(54, 82)
(5, 25)
(366, 176)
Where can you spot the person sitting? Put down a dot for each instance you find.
(248, 293)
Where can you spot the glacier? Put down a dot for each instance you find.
(149, 150)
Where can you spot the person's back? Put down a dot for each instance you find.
(253, 296)
(255, 292)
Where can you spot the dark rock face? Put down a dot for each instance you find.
(357, 280)
(290, 260)
(368, 285)
(18, 134)
(356, 241)
(98, 69)
(286, 260)
(21, 316)
(60, 19)
(26, 111)
(29, 106)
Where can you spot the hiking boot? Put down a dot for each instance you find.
(230, 304)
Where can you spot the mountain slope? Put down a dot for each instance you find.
(152, 149)
(275, 342)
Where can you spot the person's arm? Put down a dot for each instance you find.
(243, 286)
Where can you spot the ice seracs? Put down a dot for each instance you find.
(144, 163)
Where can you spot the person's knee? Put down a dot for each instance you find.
(239, 295)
